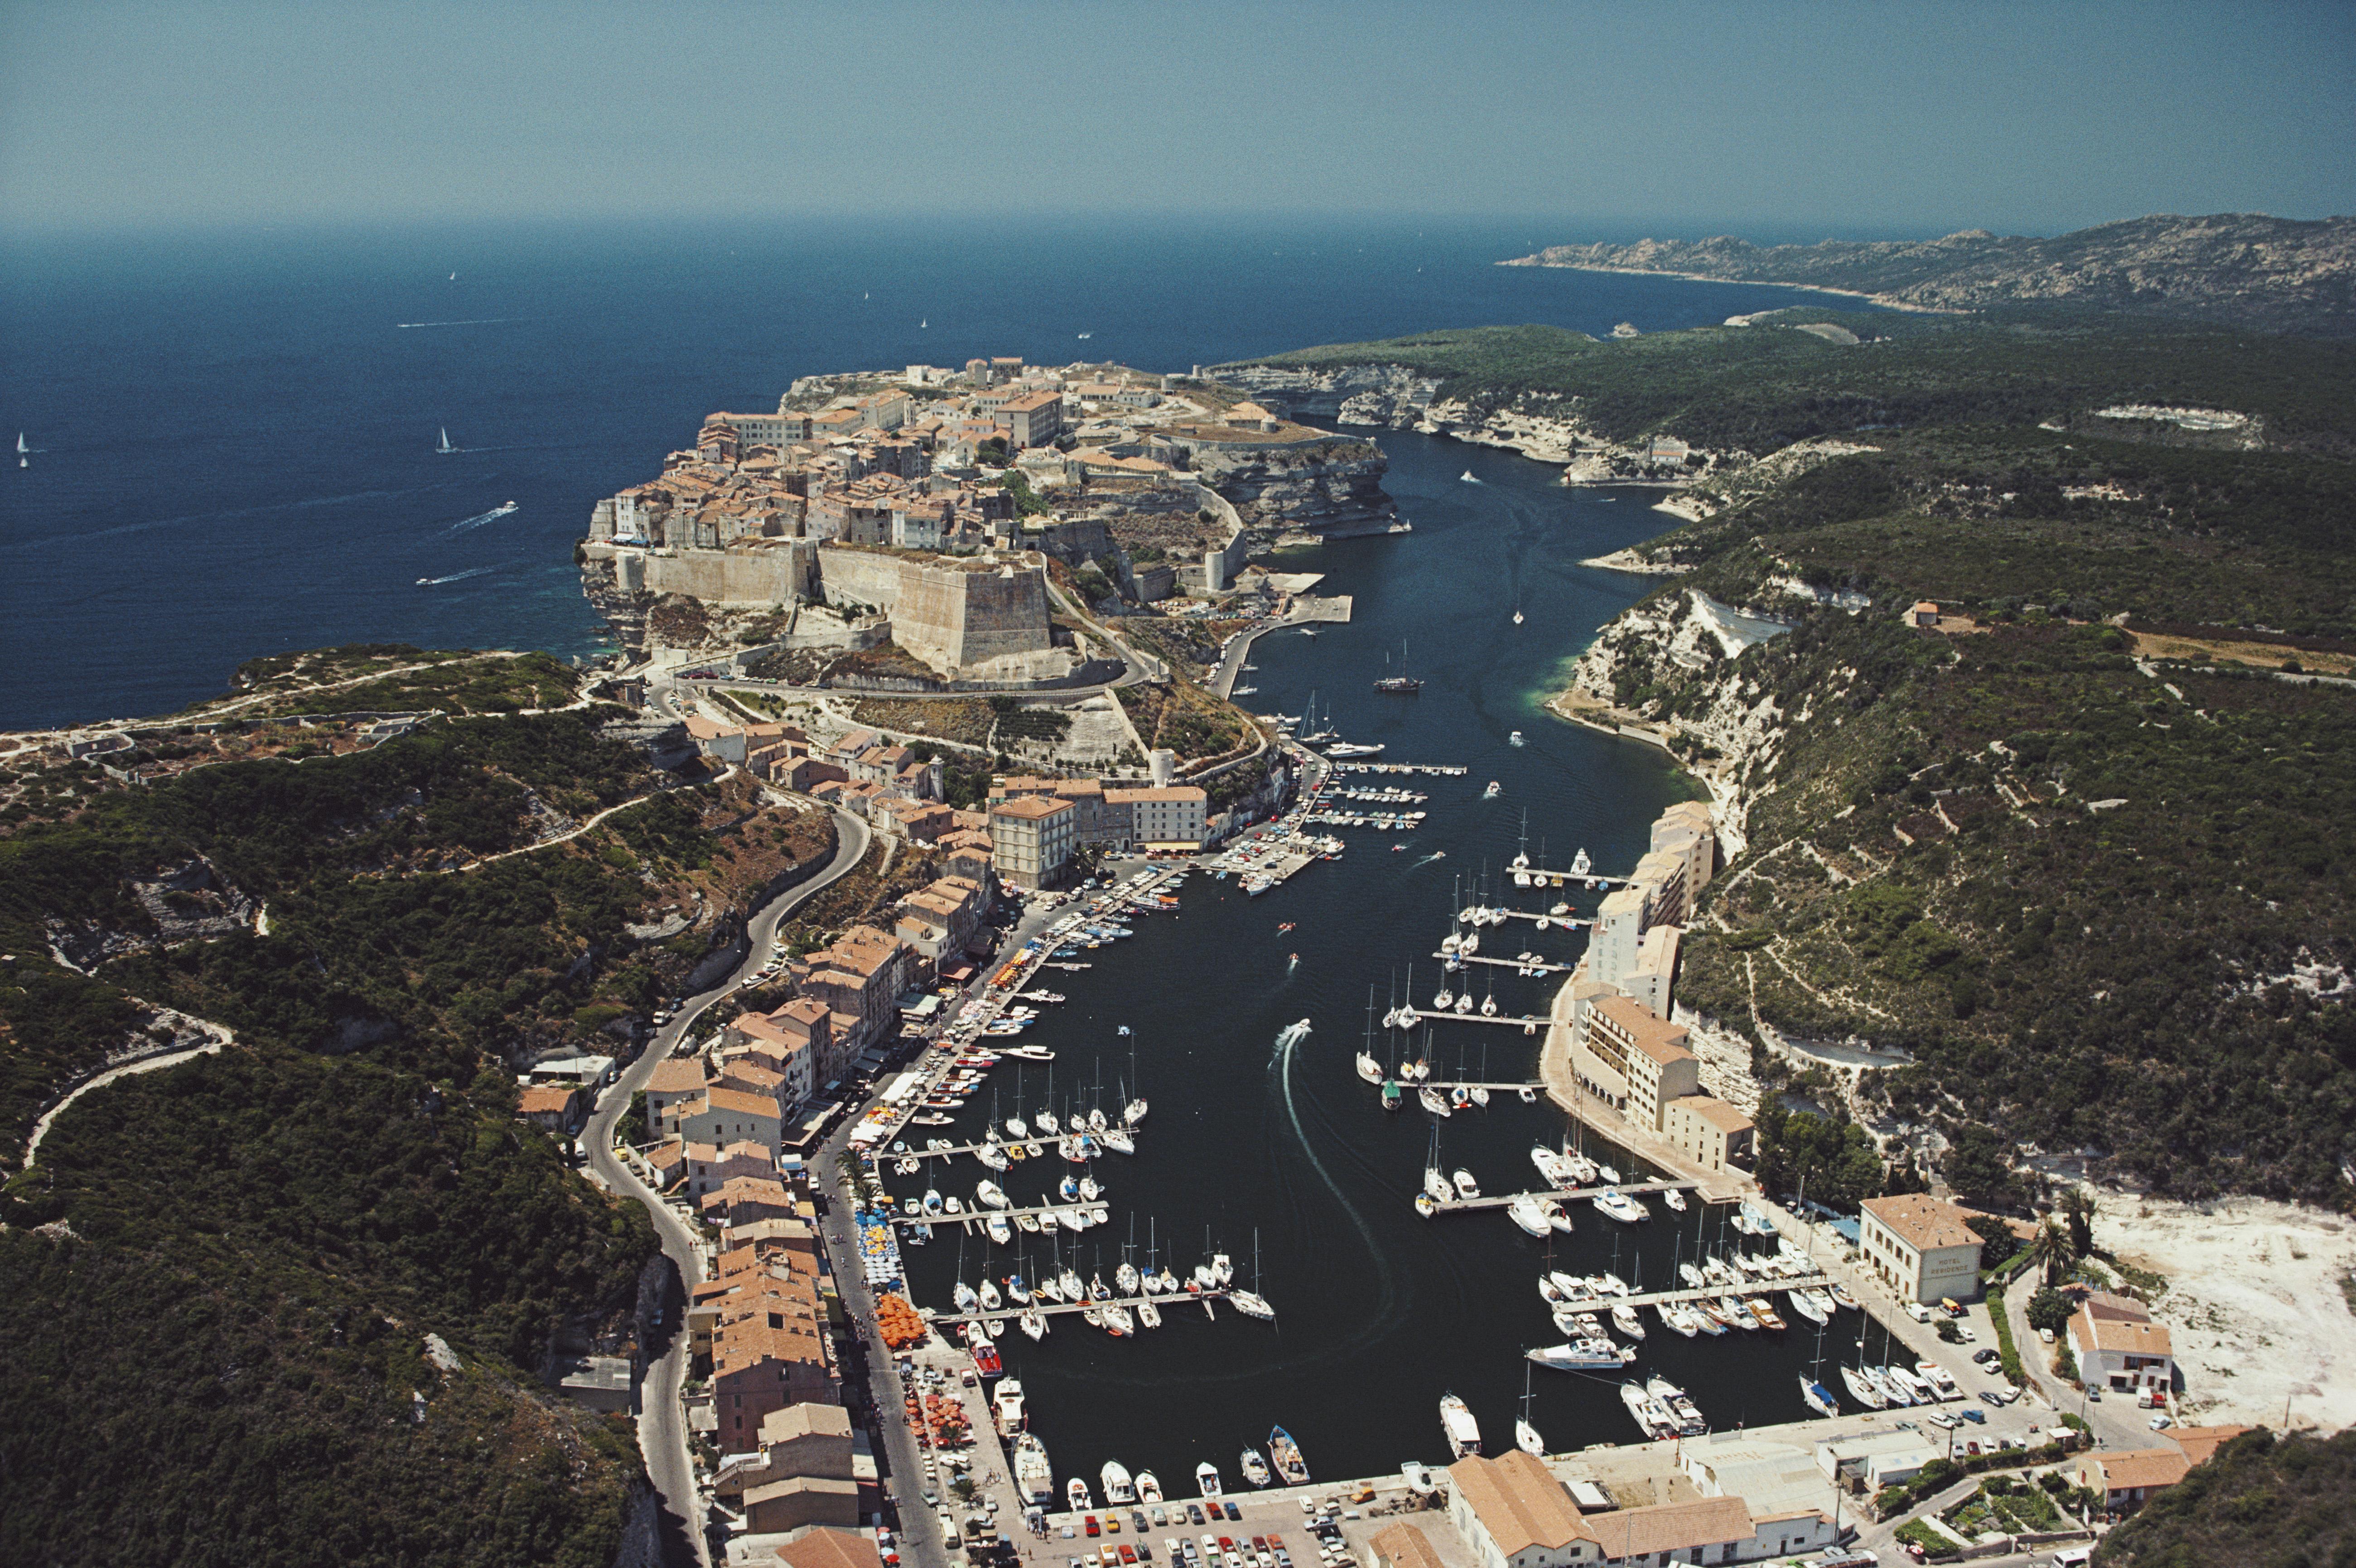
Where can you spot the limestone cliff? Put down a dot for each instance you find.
(1333, 487)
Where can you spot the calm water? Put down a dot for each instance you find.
(1379, 1312)
(235, 434)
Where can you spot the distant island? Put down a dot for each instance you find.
(2277, 274)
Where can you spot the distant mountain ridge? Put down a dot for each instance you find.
(2277, 274)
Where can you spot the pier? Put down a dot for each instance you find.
(1543, 919)
(1539, 963)
(1045, 1141)
(1533, 1021)
(1712, 1292)
(1564, 1195)
(971, 1217)
(1055, 1309)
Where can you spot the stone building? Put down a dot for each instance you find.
(1919, 1248)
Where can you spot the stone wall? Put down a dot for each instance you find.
(774, 573)
(953, 615)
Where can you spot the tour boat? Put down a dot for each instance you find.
(1286, 1456)
(1206, 1478)
(1456, 1421)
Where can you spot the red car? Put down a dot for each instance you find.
(1093, 1527)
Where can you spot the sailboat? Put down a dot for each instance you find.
(1401, 684)
(446, 448)
(1525, 1436)
(22, 460)
(1368, 1068)
(1250, 1303)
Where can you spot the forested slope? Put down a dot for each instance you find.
(216, 1279)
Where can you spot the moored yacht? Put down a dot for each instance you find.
(1076, 1493)
(1034, 1476)
(1117, 1487)
(1456, 1421)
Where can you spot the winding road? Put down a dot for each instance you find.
(662, 1424)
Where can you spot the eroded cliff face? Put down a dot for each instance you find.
(1352, 394)
(1333, 488)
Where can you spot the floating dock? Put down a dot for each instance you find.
(1564, 1195)
(1055, 1309)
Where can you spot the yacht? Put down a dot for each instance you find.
(1678, 1319)
(1008, 1399)
(965, 1298)
(1369, 1069)
(1577, 1356)
(1034, 1476)
(1864, 1390)
(1133, 1113)
(1625, 1319)
(1117, 1487)
(990, 1300)
(1352, 749)
(1655, 1418)
(1614, 1204)
(990, 1193)
(1557, 1216)
(1207, 1478)
(1456, 1421)
(1806, 1303)
(1252, 1305)
(1466, 1187)
(1431, 1101)
(1524, 1211)
(1672, 1397)
(1819, 1398)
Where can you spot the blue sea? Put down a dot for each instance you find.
(234, 433)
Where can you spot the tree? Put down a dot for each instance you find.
(2078, 1210)
(2048, 1309)
(1997, 1243)
(2050, 1251)
(1976, 1166)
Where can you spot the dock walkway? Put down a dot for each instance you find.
(971, 1217)
(1540, 964)
(1712, 1292)
(1053, 1308)
(1532, 1022)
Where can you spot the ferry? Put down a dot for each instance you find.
(1286, 1452)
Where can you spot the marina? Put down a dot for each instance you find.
(1261, 1127)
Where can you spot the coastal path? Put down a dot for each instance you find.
(220, 1037)
(662, 1423)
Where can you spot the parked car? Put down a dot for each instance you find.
(1977, 1417)
(2160, 1424)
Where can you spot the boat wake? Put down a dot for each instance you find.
(478, 321)
(1427, 860)
(1387, 1293)
(1467, 478)
(479, 519)
(457, 576)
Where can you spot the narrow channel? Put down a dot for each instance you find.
(1289, 1153)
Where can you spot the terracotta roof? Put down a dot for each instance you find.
(2138, 1467)
(1663, 1042)
(2200, 1442)
(545, 1099)
(1672, 1527)
(1922, 1222)
(1037, 807)
(1404, 1546)
(2121, 1335)
(1518, 1502)
(737, 1103)
(1717, 1113)
(1172, 792)
(680, 1075)
(827, 1547)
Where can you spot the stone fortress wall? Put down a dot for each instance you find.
(954, 614)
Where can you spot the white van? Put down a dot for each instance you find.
(2072, 1556)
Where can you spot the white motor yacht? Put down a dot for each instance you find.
(1206, 1479)
(1456, 1421)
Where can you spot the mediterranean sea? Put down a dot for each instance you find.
(235, 432)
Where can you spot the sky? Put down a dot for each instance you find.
(1791, 119)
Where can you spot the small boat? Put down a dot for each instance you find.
(1467, 478)
(998, 1230)
(1557, 1216)
(1516, 738)
(1625, 1319)
(1675, 1200)
(1456, 1421)
(1419, 1477)
(1676, 1319)
(1076, 1493)
(1149, 1489)
(1614, 1204)
(1466, 1187)
(1119, 1323)
(1286, 1454)
(1526, 1438)
(1842, 1299)
(965, 1296)
(1255, 1468)
(1819, 1398)
(1369, 1069)
(1252, 1305)
(1431, 1100)
(1763, 1313)
(990, 1299)
(1493, 790)
(1149, 1315)
(1207, 1478)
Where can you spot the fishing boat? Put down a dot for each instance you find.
(1285, 1454)
(1206, 1478)
(1076, 1493)
(1456, 1421)
(1034, 1478)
